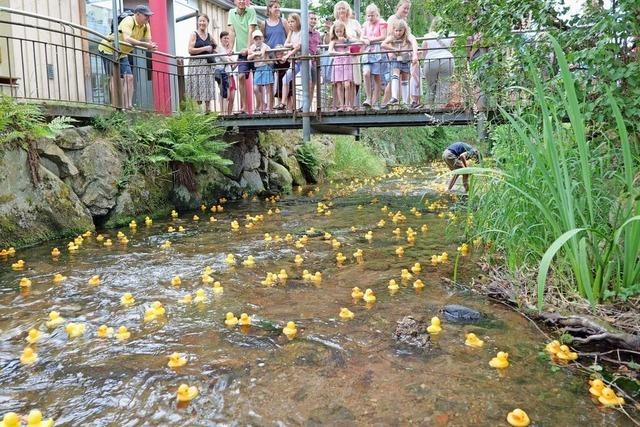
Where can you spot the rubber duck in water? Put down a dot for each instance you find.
(174, 214)
(148, 221)
(369, 296)
(133, 224)
(596, 387)
(176, 281)
(25, 283)
(369, 235)
(10, 419)
(170, 229)
(234, 225)
(316, 278)
(201, 296)
(29, 356)
(94, 280)
(207, 280)
(104, 331)
(127, 299)
(298, 260)
(75, 330)
(435, 326)
(518, 418)
(108, 243)
(608, 397)
(359, 256)
(165, 245)
(424, 228)
(176, 360)
(282, 275)
(463, 249)
(55, 252)
(399, 251)
(340, 258)
(155, 311)
(418, 284)
(196, 218)
(501, 360)
(565, 354)
(230, 259)
(59, 278)
(123, 334)
(33, 336)
(249, 262)
(54, 319)
(393, 286)
(18, 265)
(34, 419)
(186, 393)
(473, 341)
(244, 320)
(181, 229)
(405, 275)
(230, 319)
(124, 240)
(553, 347)
(356, 293)
(217, 288)
(187, 299)
(346, 314)
(290, 330)
(99, 238)
(212, 219)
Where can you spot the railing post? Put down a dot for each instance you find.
(181, 83)
(306, 121)
(115, 83)
(318, 87)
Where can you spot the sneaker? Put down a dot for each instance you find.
(415, 104)
(366, 104)
(392, 101)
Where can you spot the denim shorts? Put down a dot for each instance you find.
(125, 65)
(245, 67)
(403, 66)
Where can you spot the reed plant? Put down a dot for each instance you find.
(564, 196)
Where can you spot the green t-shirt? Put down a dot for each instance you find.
(240, 24)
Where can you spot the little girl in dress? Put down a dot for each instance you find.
(402, 55)
(263, 74)
(342, 76)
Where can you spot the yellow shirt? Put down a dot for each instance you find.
(127, 28)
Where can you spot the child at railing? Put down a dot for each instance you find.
(342, 76)
(402, 55)
(374, 31)
(263, 74)
(280, 66)
(226, 102)
(294, 41)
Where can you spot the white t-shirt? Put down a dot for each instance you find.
(438, 47)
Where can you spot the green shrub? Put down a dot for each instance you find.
(354, 159)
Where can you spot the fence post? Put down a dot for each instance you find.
(116, 83)
(306, 120)
(181, 83)
(318, 88)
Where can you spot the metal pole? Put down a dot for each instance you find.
(356, 10)
(115, 75)
(306, 121)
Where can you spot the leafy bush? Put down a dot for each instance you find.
(353, 159)
(308, 156)
(22, 122)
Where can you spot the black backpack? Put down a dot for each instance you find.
(124, 14)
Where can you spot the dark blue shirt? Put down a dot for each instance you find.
(458, 148)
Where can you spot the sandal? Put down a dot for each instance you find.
(280, 107)
(366, 104)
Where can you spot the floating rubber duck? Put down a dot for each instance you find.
(148, 221)
(170, 229)
(290, 330)
(473, 341)
(418, 284)
(463, 249)
(25, 283)
(176, 360)
(104, 331)
(127, 299)
(133, 224)
(59, 278)
(54, 320)
(78, 240)
(196, 218)
(346, 314)
(29, 356)
(369, 235)
(55, 252)
(298, 260)
(34, 419)
(230, 259)
(74, 330)
(435, 326)
(99, 238)
(424, 228)
(565, 354)
(186, 393)
(72, 247)
(359, 256)
(124, 240)
(316, 278)
(244, 320)
(356, 293)
(369, 296)
(417, 268)
(217, 288)
(249, 262)
(181, 229)
(553, 347)
(201, 296)
(608, 397)
(405, 275)
(206, 279)
(596, 388)
(166, 244)
(234, 225)
(400, 251)
(187, 299)
(212, 219)
(33, 336)
(270, 279)
(107, 243)
(10, 419)
(230, 319)
(501, 360)
(518, 418)
(340, 258)
(393, 286)
(176, 281)
(154, 312)
(123, 334)
(282, 275)
(120, 235)
(174, 214)
(94, 280)
(380, 223)
(18, 265)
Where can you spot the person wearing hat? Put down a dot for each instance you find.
(133, 31)
(263, 74)
(455, 156)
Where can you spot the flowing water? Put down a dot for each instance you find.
(334, 372)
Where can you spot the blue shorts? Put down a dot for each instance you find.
(404, 67)
(263, 75)
(125, 65)
(245, 67)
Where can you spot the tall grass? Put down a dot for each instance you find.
(565, 199)
(353, 159)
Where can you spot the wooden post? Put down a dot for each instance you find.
(181, 83)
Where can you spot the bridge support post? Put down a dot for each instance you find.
(306, 121)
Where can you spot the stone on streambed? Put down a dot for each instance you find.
(412, 332)
(460, 314)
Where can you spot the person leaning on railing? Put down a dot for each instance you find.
(224, 73)
(133, 31)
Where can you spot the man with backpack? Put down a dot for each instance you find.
(133, 31)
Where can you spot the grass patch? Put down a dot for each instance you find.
(353, 159)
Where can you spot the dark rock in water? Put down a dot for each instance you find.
(461, 314)
(412, 332)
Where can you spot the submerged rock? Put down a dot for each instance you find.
(412, 332)
(460, 314)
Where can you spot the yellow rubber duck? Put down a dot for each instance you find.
(234, 225)
(95, 280)
(518, 418)
(155, 311)
(78, 240)
(72, 247)
(417, 268)
(290, 330)
(108, 243)
(393, 286)
(203, 207)
(196, 218)
(123, 334)
(55, 252)
(54, 320)
(207, 280)
(473, 341)
(127, 299)
(346, 314)
(166, 244)
(201, 296)
(501, 360)
(608, 397)
(174, 214)
(186, 393)
(176, 360)
(104, 331)
(596, 388)
(28, 356)
(369, 235)
(75, 330)
(10, 419)
(359, 256)
(282, 275)
(34, 419)
(217, 288)
(133, 224)
(463, 249)
(120, 235)
(249, 262)
(565, 354)
(124, 240)
(316, 278)
(369, 296)
(187, 299)
(207, 270)
(33, 336)
(148, 221)
(176, 281)
(25, 283)
(170, 229)
(356, 293)
(18, 265)
(230, 319)
(181, 229)
(553, 347)
(59, 278)
(244, 320)
(435, 326)
(298, 260)
(424, 228)
(380, 223)
(340, 258)
(418, 284)
(230, 259)
(99, 238)
(405, 275)
(400, 251)
(267, 237)
(212, 219)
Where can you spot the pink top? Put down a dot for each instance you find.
(378, 29)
